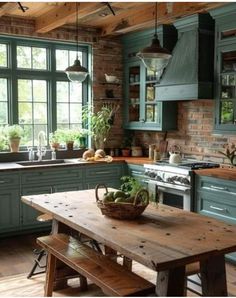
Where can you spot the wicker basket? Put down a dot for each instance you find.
(122, 210)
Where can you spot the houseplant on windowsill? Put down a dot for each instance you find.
(14, 134)
(68, 137)
(55, 139)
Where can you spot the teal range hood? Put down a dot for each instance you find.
(190, 72)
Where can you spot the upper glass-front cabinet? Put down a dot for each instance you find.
(226, 89)
(227, 108)
(142, 111)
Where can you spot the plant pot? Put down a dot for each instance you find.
(55, 146)
(82, 142)
(70, 145)
(14, 144)
(125, 152)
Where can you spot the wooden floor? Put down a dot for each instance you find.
(16, 260)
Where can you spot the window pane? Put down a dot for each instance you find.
(3, 55)
(27, 139)
(37, 129)
(75, 113)
(3, 89)
(40, 113)
(62, 92)
(25, 90)
(40, 90)
(76, 92)
(62, 126)
(3, 113)
(25, 113)
(23, 57)
(72, 57)
(62, 61)
(39, 58)
(62, 113)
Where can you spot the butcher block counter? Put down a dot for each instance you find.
(222, 173)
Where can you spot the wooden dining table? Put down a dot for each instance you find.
(164, 239)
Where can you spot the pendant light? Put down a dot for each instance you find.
(76, 72)
(155, 57)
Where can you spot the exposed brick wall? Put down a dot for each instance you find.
(107, 58)
(195, 132)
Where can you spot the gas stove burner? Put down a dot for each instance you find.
(200, 165)
(189, 164)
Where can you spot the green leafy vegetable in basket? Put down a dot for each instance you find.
(130, 185)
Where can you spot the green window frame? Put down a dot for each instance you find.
(41, 67)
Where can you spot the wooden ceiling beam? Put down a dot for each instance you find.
(7, 7)
(144, 18)
(60, 16)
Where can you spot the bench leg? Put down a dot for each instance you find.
(50, 274)
(83, 283)
(127, 263)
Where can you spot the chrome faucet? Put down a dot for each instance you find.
(41, 150)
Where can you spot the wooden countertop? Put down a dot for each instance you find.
(134, 160)
(222, 173)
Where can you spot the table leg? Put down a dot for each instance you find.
(50, 275)
(213, 276)
(171, 282)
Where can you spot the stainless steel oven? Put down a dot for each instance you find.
(173, 184)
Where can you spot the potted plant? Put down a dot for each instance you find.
(126, 144)
(68, 137)
(55, 139)
(82, 138)
(99, 124)
(14, 134)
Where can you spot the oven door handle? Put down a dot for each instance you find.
(164, 186)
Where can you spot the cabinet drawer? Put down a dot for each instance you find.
(217, 207)
(104, 171)
(217, 186)
(11, 180)
(48, 176)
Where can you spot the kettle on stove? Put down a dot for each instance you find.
(175, 157)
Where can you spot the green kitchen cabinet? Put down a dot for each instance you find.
(216, 198)
(225, 68)
(142, 111)
(46, 181)
(9, 201)
(108, 174)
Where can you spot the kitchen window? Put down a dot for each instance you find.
(34, 89)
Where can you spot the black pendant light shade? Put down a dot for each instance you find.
(155, 57)
(76, 72)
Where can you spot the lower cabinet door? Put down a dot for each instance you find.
(9, 210)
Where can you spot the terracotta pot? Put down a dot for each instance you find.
(70, 145)
(14, 144)
(55, 146)
(125, 152)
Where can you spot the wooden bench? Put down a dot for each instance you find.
(112, 278)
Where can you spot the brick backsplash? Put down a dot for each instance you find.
(195, 132)
(195, 118)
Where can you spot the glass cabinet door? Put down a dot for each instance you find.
(227, 104)
(151, 106)
(134, 93)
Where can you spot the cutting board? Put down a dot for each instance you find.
(163, 144)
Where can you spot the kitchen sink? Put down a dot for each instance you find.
(39, 163)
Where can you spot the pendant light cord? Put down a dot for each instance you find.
(77, 29)
(155, 35)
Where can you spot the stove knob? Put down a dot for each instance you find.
(185, 181)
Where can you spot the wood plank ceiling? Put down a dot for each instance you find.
(129, 16)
